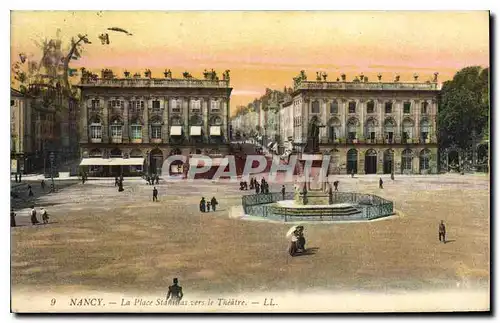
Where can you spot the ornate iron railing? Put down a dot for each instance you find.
(369, 207)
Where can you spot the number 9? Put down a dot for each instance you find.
(53, 302)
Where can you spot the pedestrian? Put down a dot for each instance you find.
(442, 232)
(155, 194)
(283, 192)
(116, 181)
(42, 184)
(12, 218)
(251, 183)
(174, 294)
(257, 188)
(45, 216)
(392, 175)
(208, 206)
(16, 177)
(34, 220)
(30, 191)
(380, 183)
(352, 173)
(20, 175)
(336, 185)
(202, 205)
(214, 203)
(157, 179)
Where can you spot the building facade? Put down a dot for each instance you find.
(21, 131)
(131, 125)
(368, 127)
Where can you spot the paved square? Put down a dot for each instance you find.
(99, 239)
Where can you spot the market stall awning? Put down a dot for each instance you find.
(112, 161)
(176, 130)
(195, 131)
(215, 131)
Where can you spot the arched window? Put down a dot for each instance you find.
(333, 129)
(115, 153)
(176, 121)
(95, 130)
(136, 129)
(406, 160)
(352, 126)
(370, 131)
(407, 130)
(136, 153)
(425, 157)
(334, 107)
(116, 129)
(315, 107)
(96, 153)
(389, 126)
(424, 130)
(155, 124)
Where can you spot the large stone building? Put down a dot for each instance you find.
(21, 132)
(367, 127)
(131, 125)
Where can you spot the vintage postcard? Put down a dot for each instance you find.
(249, 161)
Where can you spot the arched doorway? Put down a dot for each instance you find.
(352, 161)
(425, 157)
(407, 161)
(371, 162)
(155, 161)
(388, 161)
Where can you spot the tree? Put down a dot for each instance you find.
(464, 107)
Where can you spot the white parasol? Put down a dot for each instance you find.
(291, 231)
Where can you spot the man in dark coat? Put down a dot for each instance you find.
(380, 183)
(155, 194)
(336, 185)
(202, 205)
(175, 294)
(12, 218)
(42, 184)
(442, 232)
(283, 190)
(214, 203)
(30, 193)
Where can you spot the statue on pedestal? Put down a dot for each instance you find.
(312, 145)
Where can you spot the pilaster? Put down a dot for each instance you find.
(126, 122)
(145, 128)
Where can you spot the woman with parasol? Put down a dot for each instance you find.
(297, 243)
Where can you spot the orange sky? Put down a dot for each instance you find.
(267, 48)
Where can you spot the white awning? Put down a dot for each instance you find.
(195, 131)
(215, 131)
(111, 161)
(176, 130)
(270, 144)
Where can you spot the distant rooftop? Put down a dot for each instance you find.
(340, 85)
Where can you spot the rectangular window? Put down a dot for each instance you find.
(136, 131)
(95, 132)
(116, 131)
(214, 106)
(371, 135)
(388, 107)
(156, 105)
(352, 107)
(156, 132)
(406, 107)
(95, 104)
(370, 107)
(315, 107)
(424, 107)
(176, 106)
(196, 106)
(334, 107)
